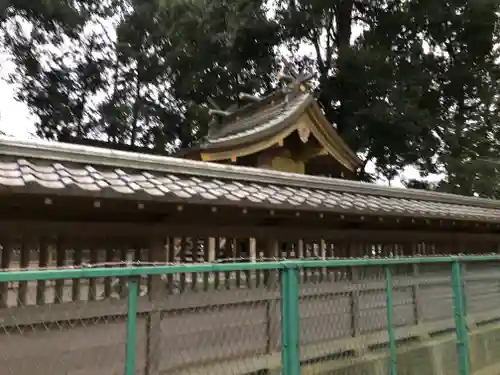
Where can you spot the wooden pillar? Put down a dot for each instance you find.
(417, 299)
(414, 249)
(355, 294)
(211, 250)
(23, 264)
(170, 247)
(42, 264)
(109, 251)
(5, 265)
(323, 257)
(272, 251)
(157, 291)
(355, 299)
(51, 254)
(208, 257)
(180, 243)
(60, 252)
(462, 249)
(193, 244)
(77, 262)
(273, 307)
(252, 244)
(94, 258)
(227, 244)
(157, 254)
(239, 246)
(252, 276)
(417, 295)
(301, 254)
(216, 251)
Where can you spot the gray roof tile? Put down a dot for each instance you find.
(11, 181)
(102, 184)
(209, 196)
(154, 192)
(255, 121)
(88, 187)
(44, 168)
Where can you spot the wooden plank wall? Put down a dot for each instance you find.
(78, 326)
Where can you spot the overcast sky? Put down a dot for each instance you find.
(16, 121)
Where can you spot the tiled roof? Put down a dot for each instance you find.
(258, 121)
(42, 167)
(238, 130)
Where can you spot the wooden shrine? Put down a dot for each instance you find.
(284, 131)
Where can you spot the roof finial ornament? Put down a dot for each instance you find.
(291, 77)
(287, 73)
(216, 111)
(213, 103)
(286, 76)
(248, 97)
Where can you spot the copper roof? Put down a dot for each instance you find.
(42, 167)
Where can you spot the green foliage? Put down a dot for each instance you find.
(462, 37)
(148, 84)
(418, 184)
(407, 83)
(404, 82)
(374, 86)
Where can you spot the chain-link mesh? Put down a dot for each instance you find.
(482, 301)
(344, 318)
(229, 322)
(343, 321)
(42, 333)
(424, 328)
(187, 323)
(231, 327)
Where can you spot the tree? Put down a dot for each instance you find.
(221, 49)
(144, 81)
(418, 184)
(404, 82)
(59, 62)
(372, 86)
(461, 37)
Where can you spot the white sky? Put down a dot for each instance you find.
(15, 119)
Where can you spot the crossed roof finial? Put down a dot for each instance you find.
(291, 76)
(288, 75)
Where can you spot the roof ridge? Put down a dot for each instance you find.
(285, 111)
(250, 108)
(55, 151)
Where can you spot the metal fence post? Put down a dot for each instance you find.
(460, 318)
(390, 321)
(131, 326)
(290, 320)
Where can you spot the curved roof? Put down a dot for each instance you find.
(258, 120)
(261, 124)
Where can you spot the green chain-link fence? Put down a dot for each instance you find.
(403, 316)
